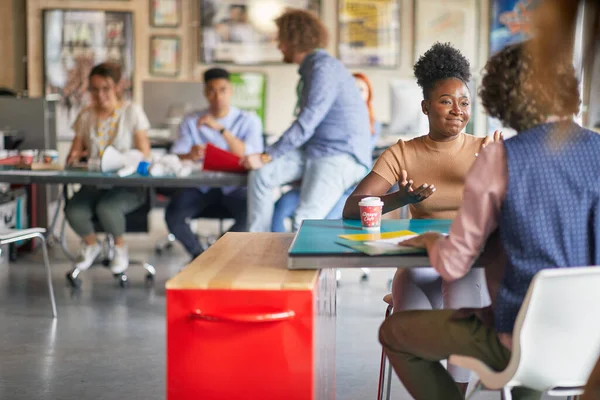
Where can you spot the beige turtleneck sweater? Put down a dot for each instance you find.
(443, 164)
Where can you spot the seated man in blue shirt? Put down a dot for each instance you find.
(326, 145)
(228, 128)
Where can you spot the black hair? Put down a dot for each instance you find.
(441, 61)
(215, 73)
(107, 70)
(7, 92)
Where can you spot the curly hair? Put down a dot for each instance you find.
(522, 95)
(441, 61)
(302, 30)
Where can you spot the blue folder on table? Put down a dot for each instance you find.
(316, 244)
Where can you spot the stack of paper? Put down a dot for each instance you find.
(377, 244)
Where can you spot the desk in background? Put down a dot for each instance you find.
(9, 174)
(240, 325)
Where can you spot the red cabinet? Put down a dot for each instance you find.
(241, 326)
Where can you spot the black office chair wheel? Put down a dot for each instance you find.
(149, 279)
(72, 279)
(364, 277)
(122, 279)
(160, 249)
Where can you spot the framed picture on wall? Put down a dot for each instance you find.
(165, 13)
(75, 41)
(454, 21)
(369, 33)
(243, 31)
(510, 22)
(165, 55)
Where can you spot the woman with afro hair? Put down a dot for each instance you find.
(430, 171)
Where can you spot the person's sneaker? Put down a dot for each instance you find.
(120, 261)
(87, 256)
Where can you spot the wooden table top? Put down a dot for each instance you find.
(245, 261)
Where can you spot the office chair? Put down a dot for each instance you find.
(135, 222)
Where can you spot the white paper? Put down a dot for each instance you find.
(393, 242)
(112, 160)
(387, 243)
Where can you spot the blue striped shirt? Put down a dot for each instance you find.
(333, 117)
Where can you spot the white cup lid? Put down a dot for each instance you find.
(371, 201)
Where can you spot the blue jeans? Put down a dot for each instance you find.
(324, 181)
(287, 204)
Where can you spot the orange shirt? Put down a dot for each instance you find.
(443, 164)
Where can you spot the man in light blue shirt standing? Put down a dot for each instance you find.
(327, 146)
(228, 128)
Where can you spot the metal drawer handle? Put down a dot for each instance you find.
(266, 317)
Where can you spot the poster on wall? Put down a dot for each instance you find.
(453, 21)
(244, 31)
(75, 41)
(510, 23)
(165, 55)
(249, 92)
(369, 33)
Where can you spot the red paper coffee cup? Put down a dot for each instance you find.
(27, 156)
(370, 213)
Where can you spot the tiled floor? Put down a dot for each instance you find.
(109, 343)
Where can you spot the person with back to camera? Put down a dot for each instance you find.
(124, 125)
(287, 204)
(430, 171)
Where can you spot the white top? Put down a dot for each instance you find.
(131, 119)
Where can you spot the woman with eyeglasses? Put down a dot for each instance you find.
(108, 121)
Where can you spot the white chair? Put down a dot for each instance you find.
(556, 338)
(16, 235)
